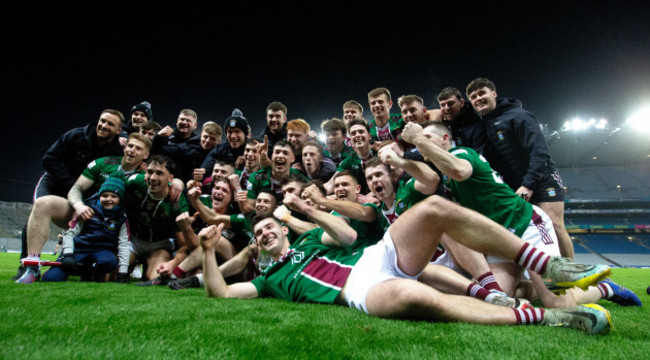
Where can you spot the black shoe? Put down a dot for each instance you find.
(155, 281)
(189, 282)
(21, 271)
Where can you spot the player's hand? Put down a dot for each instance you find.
(280, 212)
(312, 135)
(175, 189)
(313, 193)
(241, 195)
(293, 202)
(166, 131)
(525, 193)
(194, 193)
(185, 220)
(411, 132)
(191, 184)
(253, 250)
(234, 182)
(376, 145)
(263, 148)
(68, 263)
(388, 156)
(240, 162)
(198, 174)
(210, 236)
(83, 212)
(123, 141)
(165, 268)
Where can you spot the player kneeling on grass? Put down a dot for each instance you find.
(89, 247)
(321, 267)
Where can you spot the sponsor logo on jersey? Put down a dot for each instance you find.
(551, 192)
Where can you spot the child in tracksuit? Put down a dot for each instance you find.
(89, 247)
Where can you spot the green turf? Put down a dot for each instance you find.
(76, 320)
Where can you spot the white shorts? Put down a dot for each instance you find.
(446, 260)
(539, 234)
(377, 264)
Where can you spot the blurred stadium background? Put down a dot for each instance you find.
(605, 170)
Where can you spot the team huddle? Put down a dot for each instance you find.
(450, 214)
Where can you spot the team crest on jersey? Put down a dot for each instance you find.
(297, 256)
(500, 135)
(551, 192)
(400, 204)
(111, 225)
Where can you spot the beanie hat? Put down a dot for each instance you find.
(114, 185)
(237, 120)
(145, 107)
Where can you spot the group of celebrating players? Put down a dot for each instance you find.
(450, 214)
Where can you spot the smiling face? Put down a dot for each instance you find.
(135, 152)
(265, 204)
(380, 106)
(351, 112)
(296, 138)
(346, 188)
(451, 108)
(483, 100)
(109, 200)
(208, 141)
(185, 124)
(235, 137)
(360, 138)
(275, 120)
(108, 126)
(251, 156)
(222, 170)
(138, 118)
(413, 112)
(380, 183)
(282, 158)
(158, 178)
(271, 237)
(221, 195)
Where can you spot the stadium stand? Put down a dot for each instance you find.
(13, 216)
(606, 175)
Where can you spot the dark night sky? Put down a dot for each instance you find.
(62, 66)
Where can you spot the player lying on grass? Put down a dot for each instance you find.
(380, 280)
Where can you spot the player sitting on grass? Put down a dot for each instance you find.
(93, 243)
(474, 184)
(321, 267)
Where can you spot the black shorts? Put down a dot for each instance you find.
(47, 185)
(549, 189)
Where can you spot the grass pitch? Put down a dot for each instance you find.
(76, 320)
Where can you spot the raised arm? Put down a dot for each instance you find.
(208, 215)
(455, 168)
(215, 285)
(426, 180)
(337, 230)
(343, 207)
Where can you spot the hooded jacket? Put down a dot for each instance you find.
(518, 150)
(66, 159)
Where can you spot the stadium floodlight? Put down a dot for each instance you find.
(640, 120)
(601, 124)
